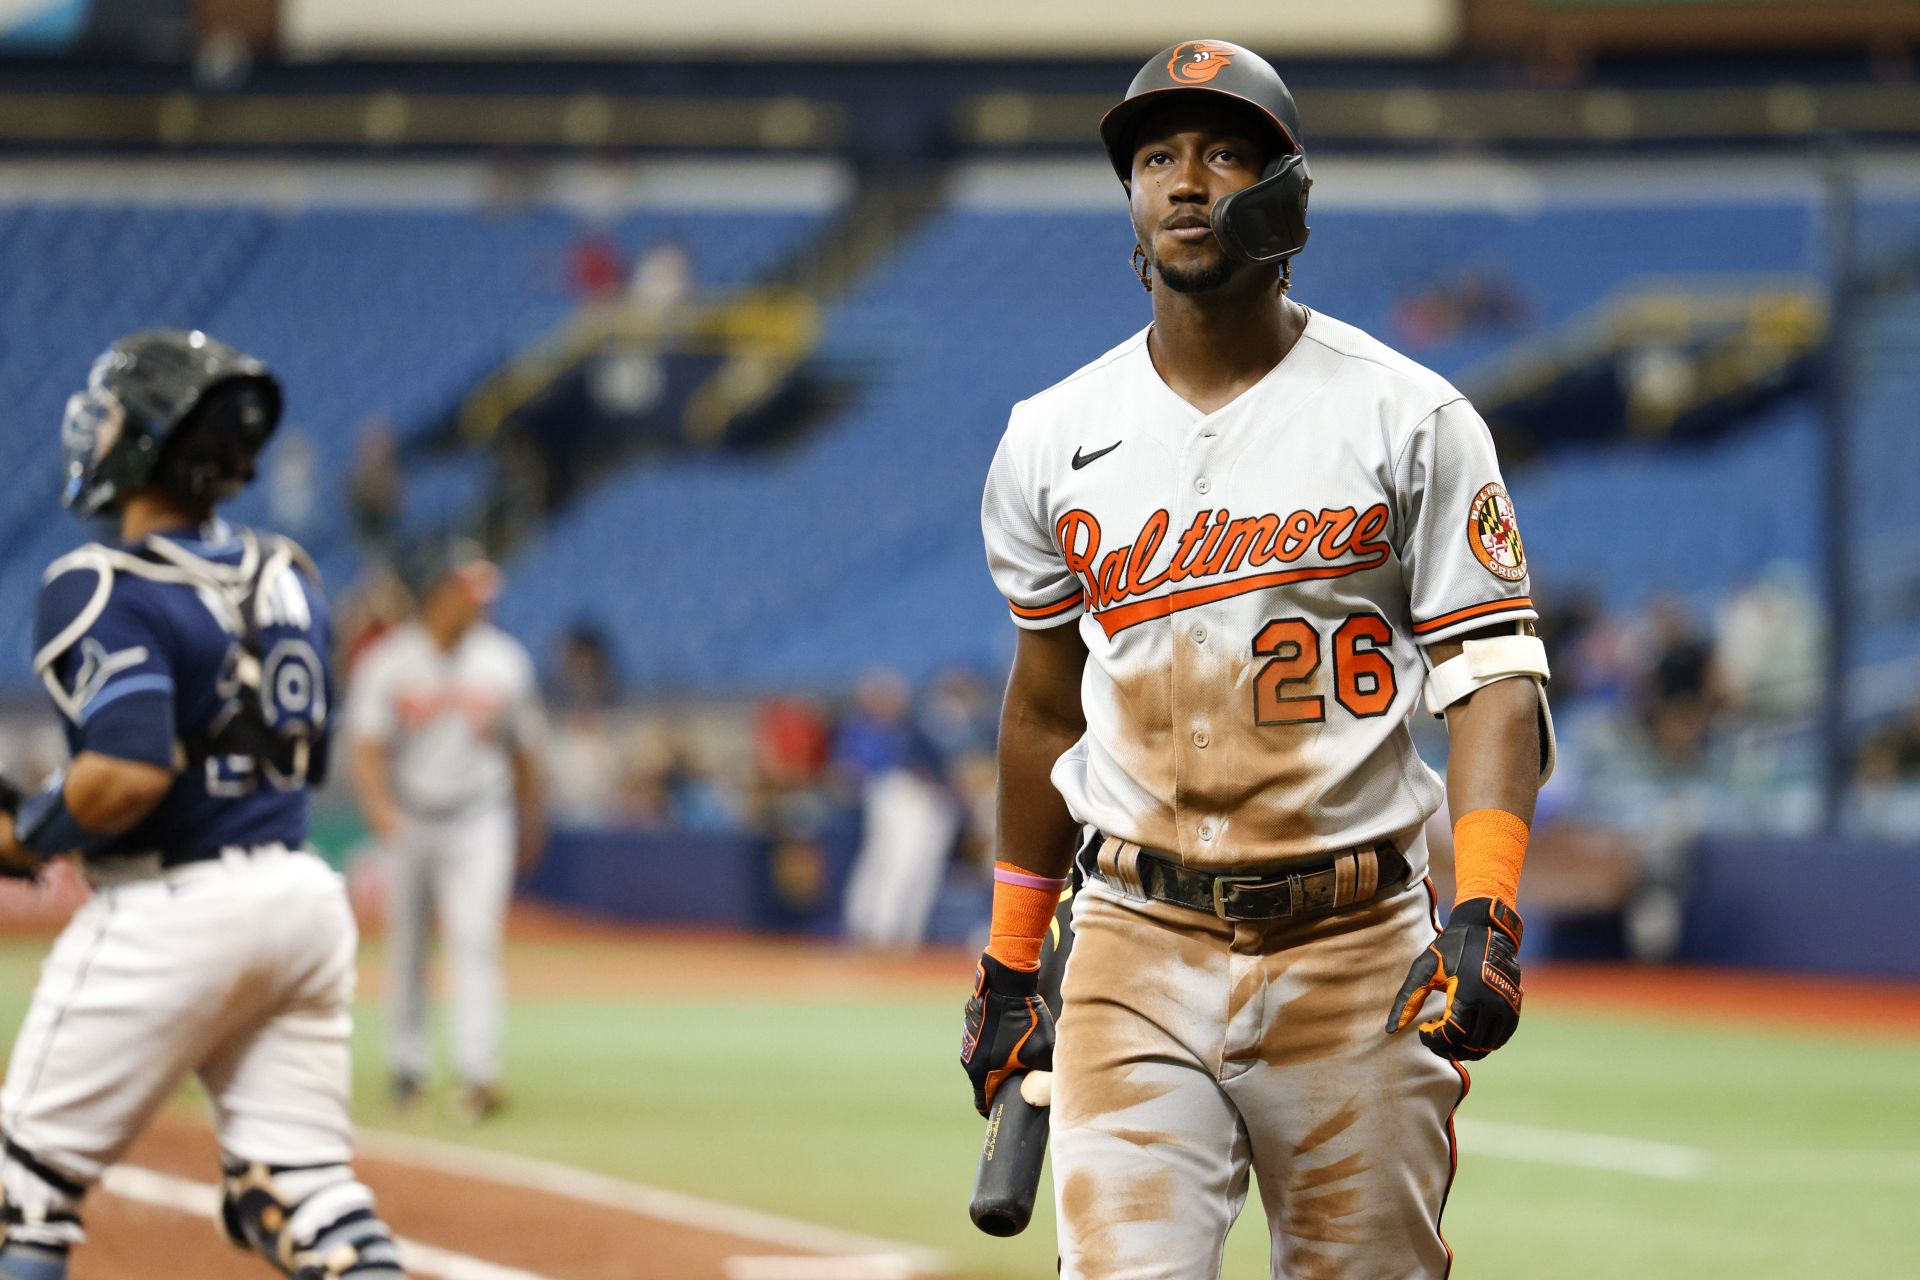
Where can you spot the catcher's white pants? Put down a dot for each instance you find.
(459, 868)
(240, 970)
(1192, 1051)
(908, 825)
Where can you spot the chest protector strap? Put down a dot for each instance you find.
(243, 728)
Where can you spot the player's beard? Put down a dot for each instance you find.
(1198, 278)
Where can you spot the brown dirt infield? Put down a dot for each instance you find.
(546, 1234)
(1756, 999)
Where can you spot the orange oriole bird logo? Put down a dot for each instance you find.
(1198, 61)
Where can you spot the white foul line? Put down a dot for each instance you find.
(527, 1173)
(1603, 1151)
(865, 1266)
(426, 1260)
(131, 1182)
(1639, 1157)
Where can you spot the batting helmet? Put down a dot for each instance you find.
(1266, 222)
(438, 559)
(167, 407)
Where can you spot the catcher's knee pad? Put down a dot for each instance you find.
(314, 1222)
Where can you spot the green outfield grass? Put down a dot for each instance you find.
(1608, 1147)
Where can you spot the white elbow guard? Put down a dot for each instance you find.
(1482, 662)
(1479, 664)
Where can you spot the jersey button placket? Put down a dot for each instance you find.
(1196, 455)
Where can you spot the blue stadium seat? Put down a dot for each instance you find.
(363, 312)
(860, 544)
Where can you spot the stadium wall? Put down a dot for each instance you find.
(717, 879)
(1818, 904)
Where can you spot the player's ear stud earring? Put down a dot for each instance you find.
(1142, 268)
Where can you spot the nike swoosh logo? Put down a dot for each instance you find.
(1080, 460)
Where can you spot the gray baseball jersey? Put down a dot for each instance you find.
(449, 719)
(1253, 586)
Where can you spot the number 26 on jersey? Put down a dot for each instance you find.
(1363, 679)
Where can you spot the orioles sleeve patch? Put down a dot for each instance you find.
(1494, 534)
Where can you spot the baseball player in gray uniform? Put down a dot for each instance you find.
(446, 734)
(1243, 548)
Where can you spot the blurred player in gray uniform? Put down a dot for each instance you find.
(447, 733)
(187, 660)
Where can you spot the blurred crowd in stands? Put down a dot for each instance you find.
(1661, 694)
(1482, 297)
(917, 769)
(1671, 722)
(1665, 715)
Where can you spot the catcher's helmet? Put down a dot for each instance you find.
(1266, 222)
(167, 407)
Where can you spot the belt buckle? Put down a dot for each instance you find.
(1220, 884)
(1296, 894)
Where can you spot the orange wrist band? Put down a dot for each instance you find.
(1023, 907)
(1489, 845)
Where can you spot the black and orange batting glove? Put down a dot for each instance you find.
(1475, 960)
(1009, 1029)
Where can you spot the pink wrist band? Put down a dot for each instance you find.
(1005, 874)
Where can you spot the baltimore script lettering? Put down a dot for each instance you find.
(1215, 544)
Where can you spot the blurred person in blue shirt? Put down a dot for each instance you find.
(909, 818)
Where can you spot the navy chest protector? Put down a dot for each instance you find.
(253, 722)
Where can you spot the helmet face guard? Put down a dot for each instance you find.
(1266, 222)
(95, 422)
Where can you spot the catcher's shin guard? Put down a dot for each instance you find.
(313, 1222)
(39, 1215)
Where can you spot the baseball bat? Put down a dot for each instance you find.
(1008, 1179)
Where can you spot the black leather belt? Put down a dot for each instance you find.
(1341, 880)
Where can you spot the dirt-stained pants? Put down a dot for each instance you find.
(1193, 1050)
